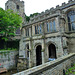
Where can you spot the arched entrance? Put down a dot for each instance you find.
(38, 55)
(52, 51)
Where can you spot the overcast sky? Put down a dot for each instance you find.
(32, 6)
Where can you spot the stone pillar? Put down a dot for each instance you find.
(57, 24)
(30, 32)
(33, 30)
(30, 55)
(29, 60)
(43, 48)
(24, 32)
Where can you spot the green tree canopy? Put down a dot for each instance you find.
(31, 15)
(9, 22)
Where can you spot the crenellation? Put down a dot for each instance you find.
(52, 9)
(22, 3)
(70, 1)
(47, 12)
(63, 4)
(42, 13)
(57, 6)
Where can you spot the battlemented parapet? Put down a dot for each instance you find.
(49, 12)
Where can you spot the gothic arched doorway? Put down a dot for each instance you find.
(38, 55)
(52, 51)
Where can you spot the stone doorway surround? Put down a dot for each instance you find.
(52, 51)
(47, 50)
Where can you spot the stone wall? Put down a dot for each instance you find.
(8, 59)
(56, 67)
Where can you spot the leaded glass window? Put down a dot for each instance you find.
(71, 20)
(27, 32)
(38, 29)
(51, 28)
(54, 26)
(17, 6)
(47, 27)
(35, 30)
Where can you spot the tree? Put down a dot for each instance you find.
(9, 22)
(31, 15)
(27, 18)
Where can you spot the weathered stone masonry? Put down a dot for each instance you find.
(57, 67)
(51, 32)
(8, 59)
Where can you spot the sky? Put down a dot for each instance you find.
(33, 6)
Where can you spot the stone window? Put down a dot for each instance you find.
(38, 29)
(54, 26)
(7, 7)
(47, 27)
(71, 20)
(27, 32)
(51, 27)
(17, 6)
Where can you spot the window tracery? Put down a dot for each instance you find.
(71, 20)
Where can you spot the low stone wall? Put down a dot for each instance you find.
(8, 59)
(56, 67)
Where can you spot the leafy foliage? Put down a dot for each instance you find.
(9, 22)
(27, 18)
(9, 49)
(31, 15)
(71, 70)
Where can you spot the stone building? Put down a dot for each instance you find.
(50, 34)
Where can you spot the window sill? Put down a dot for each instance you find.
(37, 34)
(51, 32)
(69, 32)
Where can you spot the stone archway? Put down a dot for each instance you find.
(52, 51)
(38, 55)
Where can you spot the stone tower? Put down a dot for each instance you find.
(16, 6)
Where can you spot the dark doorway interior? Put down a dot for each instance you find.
(27, 51)
(27, 47)
(52, 51)
(38, 55)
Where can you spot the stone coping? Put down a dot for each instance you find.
(45, 66)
